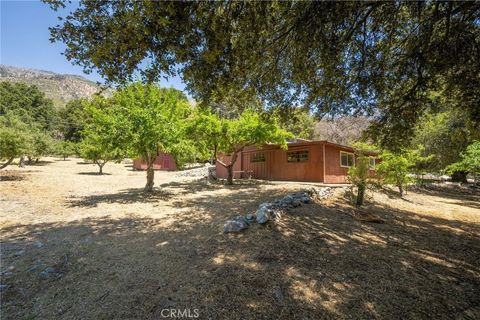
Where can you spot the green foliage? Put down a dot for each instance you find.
(141, 120)
(250, 128)
(340, 57)
(299, 122)
(395, 167)
(206, 128)
(469, 162)
(360, 175)
(97, 144)
(42, 145)
(73, 119)
(15, 139)
(29, 104)
(364, 148)
(148, 119)
(65, 149)
(444, 136)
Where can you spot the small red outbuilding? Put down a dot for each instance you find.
(163, 161)
(311, 161)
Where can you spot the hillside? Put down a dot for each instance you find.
(61, 88)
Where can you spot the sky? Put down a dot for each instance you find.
(24, 40)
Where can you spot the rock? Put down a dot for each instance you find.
(306, 199)
(45, 274)
(296, 203)
(250, 218)
(265, 205)
(19, 253)
(263, 214)
(278, 294)
(36, 266)
(287, 200)
(235, 225)
(39, 244)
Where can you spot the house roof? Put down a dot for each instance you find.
(305, 143)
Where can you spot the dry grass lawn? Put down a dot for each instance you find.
(123, 254)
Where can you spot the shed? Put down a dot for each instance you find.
(163, 161)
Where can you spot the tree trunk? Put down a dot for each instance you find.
(37, 160)
(100, 166)
(400, 189)
(459, 176)
(230, 174)
(214, 155)
(6, 163)
(360, 195)
(21, 164)
(150, 176)
(30, 160)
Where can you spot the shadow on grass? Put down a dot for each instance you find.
(462, 195)
(315, 263)
(40, 163)
(169, 191)
(84, 162)
(11, 176)
(123, 197)
(95, 174)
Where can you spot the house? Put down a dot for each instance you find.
(304, 160)
(163, 161)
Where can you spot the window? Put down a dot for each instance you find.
(346, 159)
(257, 157)
(371, 164)
(297, 156)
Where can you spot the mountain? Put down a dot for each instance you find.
(61, 88)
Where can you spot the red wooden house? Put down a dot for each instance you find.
(304, 160)
(163, 161)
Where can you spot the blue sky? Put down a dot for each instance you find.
(25, 40)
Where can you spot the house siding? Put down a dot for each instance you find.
(163, 161)
(334, 173)
(276, 167)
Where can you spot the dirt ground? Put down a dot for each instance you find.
(121, 254)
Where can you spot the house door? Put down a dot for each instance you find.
(166, 163)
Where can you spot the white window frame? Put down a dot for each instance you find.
(374, 164)
(347, 153)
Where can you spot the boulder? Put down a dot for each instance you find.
(39, 244)
(263, 214)
(19, 253)
(36, 266)
(287, 200)
(237, 224)
(45, 274)
(250, 218)
(296, 203)
(305, 199)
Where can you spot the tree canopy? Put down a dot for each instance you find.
(469, 161)
(142, 120)
(348, 57)
(28, 103)
(250, 128)
(14, 138)
(73, 119)
(27, 122)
